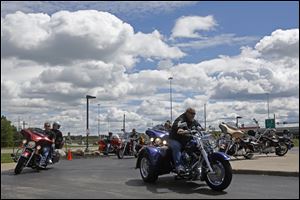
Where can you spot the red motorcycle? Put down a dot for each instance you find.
(126, 148)
(114, 145)
(130, 147)
(32, 149)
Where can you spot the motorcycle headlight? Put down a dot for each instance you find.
(24, 141)
(151, 139)
(164, 142)
(157, 141)
(209, 141)
(31, 144)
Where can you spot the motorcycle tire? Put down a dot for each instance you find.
(120, 153)
(248, 156)
(226, 180)
(21, 164)
(282, 149)
(147, 170)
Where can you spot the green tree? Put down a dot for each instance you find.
(8, 131)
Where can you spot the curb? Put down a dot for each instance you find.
(261, 172)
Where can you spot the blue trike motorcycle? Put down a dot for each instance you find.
(158, 136)
(198, 158)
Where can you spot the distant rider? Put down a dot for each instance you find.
(108, 143)
(134, 137)
(58, 135)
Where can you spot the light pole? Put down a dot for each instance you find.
(87, 120)
(170, 78)
(205, 116)
(268, 105)
(98, 121)
(237, 121)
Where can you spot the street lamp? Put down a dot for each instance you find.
(205, 116)
(170, 78)
(98, 121)
(87, 120)
(268, 105)
(237, 121)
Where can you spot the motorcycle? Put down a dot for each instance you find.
(32, 150)
(158, 136)
(268, 142)
(126, 148)
(235, 142)
(113, 147)
(198, 158)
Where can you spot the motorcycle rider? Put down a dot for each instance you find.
(47, 149)
(168, 126)
(178, 138)
(108, 143)
(58, 134)
(134, 137)
(58, 139)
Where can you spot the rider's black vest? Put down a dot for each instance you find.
(190, 126)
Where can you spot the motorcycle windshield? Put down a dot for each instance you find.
(156, 133)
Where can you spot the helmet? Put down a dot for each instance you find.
(57, 124)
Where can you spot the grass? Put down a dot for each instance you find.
(5, 158)
(296, 142)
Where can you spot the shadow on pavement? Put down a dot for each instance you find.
(255, 157)
(178, 186)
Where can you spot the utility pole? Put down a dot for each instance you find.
(268, 105)
(108, 123)
(87, 120)
(124, 122)
(205, 116)
(170, 78)
(98, 121)
(19, 124)
(24, 123)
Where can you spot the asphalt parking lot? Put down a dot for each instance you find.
(110, 177)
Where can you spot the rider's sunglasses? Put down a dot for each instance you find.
(192, 113)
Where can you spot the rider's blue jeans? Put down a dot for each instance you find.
(176, 151)
(46, 151)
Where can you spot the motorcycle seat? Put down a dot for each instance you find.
(233, 131)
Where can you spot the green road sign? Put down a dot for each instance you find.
(270, 123)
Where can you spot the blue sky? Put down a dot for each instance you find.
(225, 54)
(255, 19)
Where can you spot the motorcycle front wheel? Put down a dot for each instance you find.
(21, 164)
(147, 172)
(220, 179)
(282, 149)
(120, 153)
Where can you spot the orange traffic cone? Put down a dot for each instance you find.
(69, 155)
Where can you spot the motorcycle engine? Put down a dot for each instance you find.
(186, 159)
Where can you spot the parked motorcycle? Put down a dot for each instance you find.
(113, 147)
(126, 148)
(235, 142)
(33, 144)
(198, 158)
(268, 142)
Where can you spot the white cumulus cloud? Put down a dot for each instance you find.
(189, 26)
